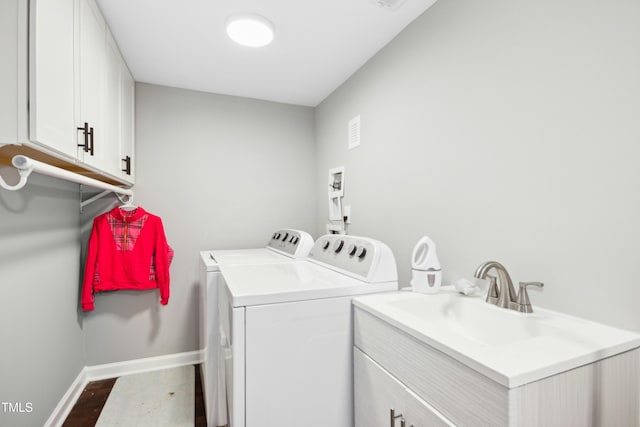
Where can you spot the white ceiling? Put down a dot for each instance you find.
(318, 44)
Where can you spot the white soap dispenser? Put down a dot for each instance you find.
(426, 274)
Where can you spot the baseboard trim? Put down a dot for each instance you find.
(136, 366)
(118, 369)
(69, 399)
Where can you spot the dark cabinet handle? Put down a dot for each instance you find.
(393, 417)
(85, 131)
(88, 138)
(127, 165)
(91, 140)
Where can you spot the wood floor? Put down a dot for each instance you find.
(87, 409)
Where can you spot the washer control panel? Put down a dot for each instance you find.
(360, 257)
(294, 243)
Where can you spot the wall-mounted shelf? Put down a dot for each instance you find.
(8, 152)
(26, 166)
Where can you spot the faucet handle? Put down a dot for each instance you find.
(523, 304)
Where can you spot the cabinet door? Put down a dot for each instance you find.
(419, 413)
(91, 66)
(14, 82)
(51, 80)
(127, 141)
(112, 131)
(376, 393)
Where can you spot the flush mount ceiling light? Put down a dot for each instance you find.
(250, 30)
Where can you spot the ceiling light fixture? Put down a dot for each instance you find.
(250, 30)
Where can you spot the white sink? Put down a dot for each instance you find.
(509, 347)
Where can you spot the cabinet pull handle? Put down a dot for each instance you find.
(91, 140)
(85, 132)
(127, 165)
(393, 417)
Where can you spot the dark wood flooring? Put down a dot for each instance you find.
(201, 415)
(87, 409)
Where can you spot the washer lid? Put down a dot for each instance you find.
(249, 256)
(285, 245)
(297, 281)
(209, 262)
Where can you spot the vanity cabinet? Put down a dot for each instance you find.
(393, 369)
(71, 97)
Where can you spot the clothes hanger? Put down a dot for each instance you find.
(127, 204)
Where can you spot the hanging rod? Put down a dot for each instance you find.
(26, 165)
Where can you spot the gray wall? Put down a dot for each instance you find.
(42, 349)
(222, 172)
(503, 130)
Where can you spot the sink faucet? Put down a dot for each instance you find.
(501, 291)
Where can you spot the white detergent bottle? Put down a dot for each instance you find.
(426, 274)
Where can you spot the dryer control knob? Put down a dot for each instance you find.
(352, 249)
(337, 247)
(362, 253)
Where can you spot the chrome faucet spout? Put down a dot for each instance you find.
(506, 294)
(501, 291)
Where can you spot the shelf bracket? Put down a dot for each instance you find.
(24, 174)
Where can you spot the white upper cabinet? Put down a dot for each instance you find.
(80, 92)
(14, 124)
(119, 112)
(51, 79)
(127, 122)
(90, 105)
(112, 106)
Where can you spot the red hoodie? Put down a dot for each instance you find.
(127, 250)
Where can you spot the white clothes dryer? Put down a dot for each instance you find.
(284, 246)
(287, 333)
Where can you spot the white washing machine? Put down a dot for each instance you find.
(284, 246)
(287, 333)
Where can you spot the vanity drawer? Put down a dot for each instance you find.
(464, 396)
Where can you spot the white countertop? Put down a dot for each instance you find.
(511, 348)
